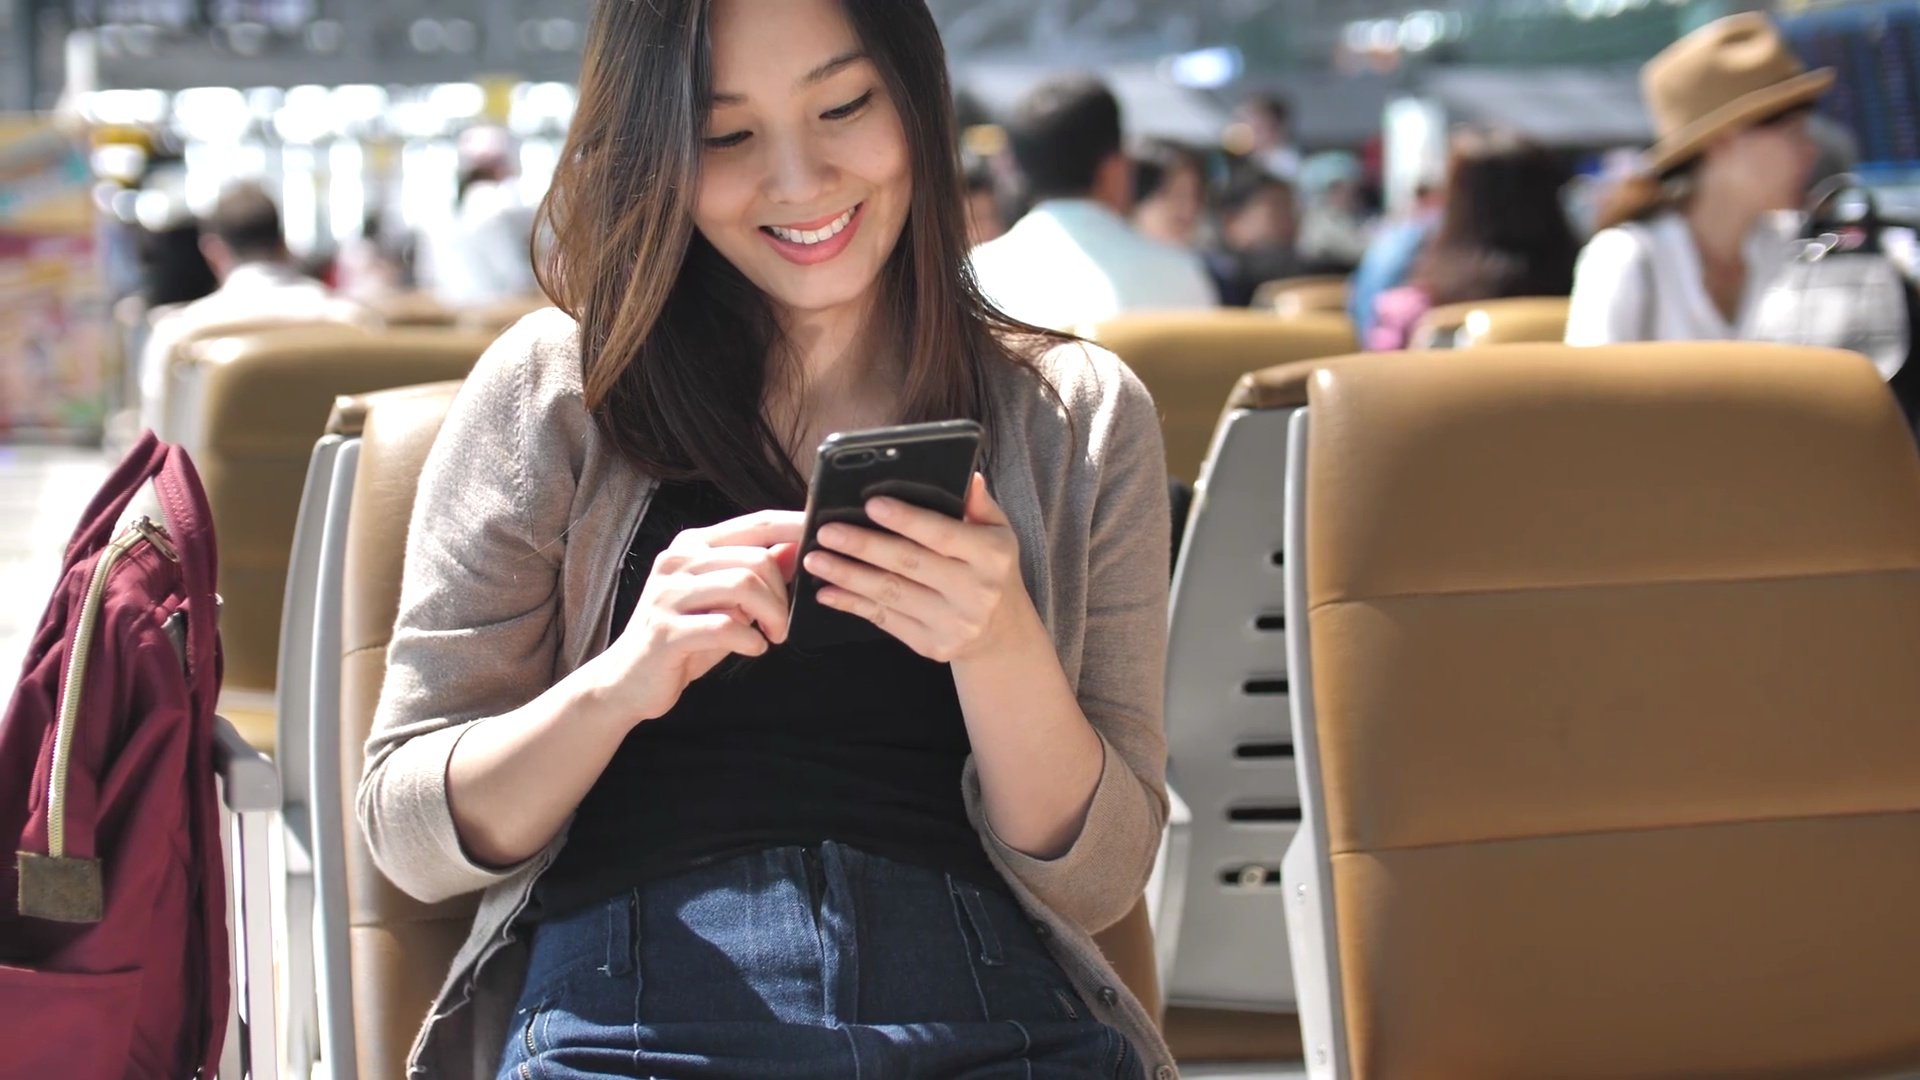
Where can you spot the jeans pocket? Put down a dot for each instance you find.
(1018, 977)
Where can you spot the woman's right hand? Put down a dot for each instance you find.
(713, 592)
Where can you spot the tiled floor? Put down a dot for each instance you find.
(42, 492)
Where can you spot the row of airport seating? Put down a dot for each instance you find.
(1256, 797)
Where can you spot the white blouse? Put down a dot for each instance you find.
(1643, 282)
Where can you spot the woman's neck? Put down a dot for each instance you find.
(1720, 227)
(838, 371)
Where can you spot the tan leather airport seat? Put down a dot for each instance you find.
(1191, 361)
(266, 399)
(1323, 293)
(400, 948)
(1616, 685)
(1512, 321)
(496, 317)
(415, 309)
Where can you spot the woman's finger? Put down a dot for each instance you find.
(726, 590)
(763, 529)
(904, 628)
(763, 561)
(928, 528)
(883, 588)
(981, 507)
(714, 632)
(893, 552)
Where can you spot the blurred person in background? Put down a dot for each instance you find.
(1503, 233)
(483, 253)
(1269, 122)
(1333, 229)
(1687, 246)
(1169, 192)
(985, 218)
(173, 269)
(365, 270)
(1073, 259)
(1258, 226)
(1393, 252)
(259, 280)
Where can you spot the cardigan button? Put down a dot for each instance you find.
(1042, 930)
(1109, 996)
(1164, 1072)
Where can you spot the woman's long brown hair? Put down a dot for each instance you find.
(676, 344)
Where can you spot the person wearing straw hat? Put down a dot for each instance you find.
(1684, 250)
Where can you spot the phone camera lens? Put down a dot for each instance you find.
(853, 459)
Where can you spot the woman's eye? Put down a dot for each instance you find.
(722, 142)
(849, 109)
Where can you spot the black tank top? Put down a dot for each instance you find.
(860, 743)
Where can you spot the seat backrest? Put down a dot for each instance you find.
(1510, 321)
(180, 414)
(266, 397)
(1302, 295)
(1613, 690)
(399, 949)
(497, 316)
(415, 309)
(1190, 361)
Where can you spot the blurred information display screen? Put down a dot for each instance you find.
(52, 317)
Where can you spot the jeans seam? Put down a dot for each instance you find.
(973, 972)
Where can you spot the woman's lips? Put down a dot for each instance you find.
(814, 254)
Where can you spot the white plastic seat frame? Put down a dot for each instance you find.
(1228, 730)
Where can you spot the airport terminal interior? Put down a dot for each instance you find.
(1440, 599)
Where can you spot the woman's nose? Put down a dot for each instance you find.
(797, 174)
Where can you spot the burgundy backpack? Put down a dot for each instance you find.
(113, 946)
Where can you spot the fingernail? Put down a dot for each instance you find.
(880, 508)
(834, 535)
(818, 563)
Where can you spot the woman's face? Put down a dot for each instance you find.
(806, 176)
(1171, 215)
(1770, 164)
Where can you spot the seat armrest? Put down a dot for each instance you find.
(1167, 886)
(249, 782)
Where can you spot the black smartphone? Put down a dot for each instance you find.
(927, 465)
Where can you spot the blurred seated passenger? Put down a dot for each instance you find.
(1269, 121)
(1392, 254)
(1503, 233)
(1259, 224)
(1333, 229)
(173, 270)
(259, 279)
(1686, 247)
(365, 269)
(985, 220)
(1073, 259)
(1169, 193)
(483, 253)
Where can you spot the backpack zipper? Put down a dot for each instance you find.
(143, 528)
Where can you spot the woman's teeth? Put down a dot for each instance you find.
(813, 236)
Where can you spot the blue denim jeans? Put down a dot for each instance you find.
(805, 962)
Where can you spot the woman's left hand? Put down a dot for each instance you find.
(949, 590)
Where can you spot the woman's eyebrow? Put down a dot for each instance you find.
(820, 74)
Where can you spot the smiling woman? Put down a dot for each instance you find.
(706, 851)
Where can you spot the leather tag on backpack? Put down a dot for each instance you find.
(60, 890)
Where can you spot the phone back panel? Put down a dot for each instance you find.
(926, 465)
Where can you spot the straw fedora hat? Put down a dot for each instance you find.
(1729, 74)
